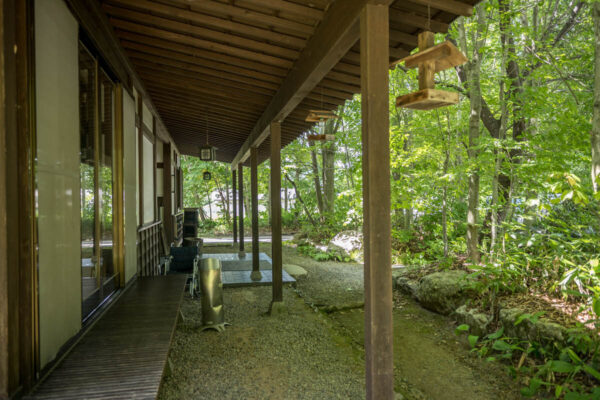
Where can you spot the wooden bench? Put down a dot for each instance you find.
(124, 354)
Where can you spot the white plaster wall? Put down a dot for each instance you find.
(130, 168)
(147, 117)
(148, 161)
(58, 181)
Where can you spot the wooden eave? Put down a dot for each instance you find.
(220, 67)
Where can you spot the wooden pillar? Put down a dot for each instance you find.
(374, 39)
(276, 213)
(9, 348)
(233, 199)
(19, 344)
(118, 187)
(140, 126)
(255, 275)
(241, 206)
(168, 191)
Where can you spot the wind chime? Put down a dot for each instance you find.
(320, 116)
(207, 153)
(430, 60)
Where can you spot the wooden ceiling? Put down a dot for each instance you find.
(211, 67)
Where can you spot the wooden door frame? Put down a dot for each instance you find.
(19, 364)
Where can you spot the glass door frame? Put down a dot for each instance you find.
(99, 265)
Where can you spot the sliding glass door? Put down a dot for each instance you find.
(96, 102)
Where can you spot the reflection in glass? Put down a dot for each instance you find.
(96, 102)
(90, 291)
(105, 182)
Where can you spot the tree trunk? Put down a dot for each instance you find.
(306, 210)
(315, 168)
(473, 75)
(224, 201)
(596, 115)
(209, 206)
(285, 196)
(227, 202)
(328, 152)
(499, 150)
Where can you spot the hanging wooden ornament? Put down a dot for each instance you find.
(320, 115)
(429, 60)
(207, 152)
(328, 138)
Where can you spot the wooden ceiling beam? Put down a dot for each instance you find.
(216, 85)
(231, 80)
(246, 15)
(175, 58)
(214, 22)
(451, 6)
(203, 103)
(215, 82)
(335, 35)
(174, 84)
(195, 31)
(195, 52)
(288, 7)
(143, 58)
(129, 39)
(212, 109)
(200, 43)
(402, 37)
(417, 21)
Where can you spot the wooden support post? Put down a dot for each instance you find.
(233, 198)
(376, 202)
(275, 129)
(140, 126)
(427, 69)
(242, 253)
(168, 192)
(118, 187)
(255, 275)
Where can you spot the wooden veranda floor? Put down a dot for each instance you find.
(124, 354)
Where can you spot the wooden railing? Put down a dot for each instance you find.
(150, 249)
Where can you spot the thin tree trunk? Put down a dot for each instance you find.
(473, 75)
(328, 152)
(595, 140)
(209, 206)
(315, 168)
(310, 218)
(285, 196)
(499, 150)
(224, 201)
(227, 203)
(349, 174)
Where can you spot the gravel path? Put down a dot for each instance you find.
(293, 356)
(311, 355)
(328, 284)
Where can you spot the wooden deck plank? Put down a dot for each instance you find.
(125, 352)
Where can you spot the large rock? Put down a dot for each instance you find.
(406, 286)
(346, 244)
(295, 271)
(541, 330)
(444, 292)
(478, 322)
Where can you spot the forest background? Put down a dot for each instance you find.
(502, 181)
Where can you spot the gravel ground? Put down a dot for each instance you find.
(311, 355)
(333, 284)
(291, 356)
